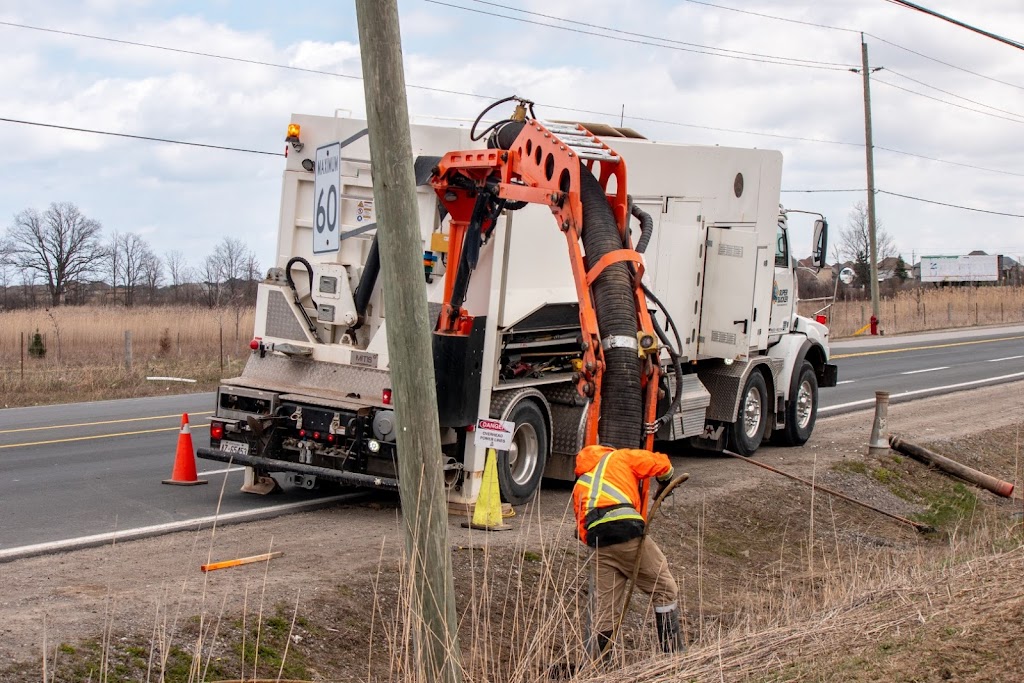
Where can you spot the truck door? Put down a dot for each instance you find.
(727, 308)
(784, 285)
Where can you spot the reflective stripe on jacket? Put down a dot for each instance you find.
(611, 490)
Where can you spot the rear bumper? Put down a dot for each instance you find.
(327, 474)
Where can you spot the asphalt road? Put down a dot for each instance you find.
(93, 470)
(915, 366)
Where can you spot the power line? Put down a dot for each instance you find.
(957, 22)
(946, 161)
(826, 191)
(951, 94)
(769, 16)
(140, 137)
(607, 115)
(952, 66)
(770, 60)
(954, 206)
(577, 22)
(951, 104)
(229, 58)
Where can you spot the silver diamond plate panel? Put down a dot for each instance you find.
(725, 382)
(281, 322)
(564, 394)
(314, 378)
(691, 414)
(568, 427)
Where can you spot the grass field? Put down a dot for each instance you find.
(86, 359)
(86, 355)
(927, 309)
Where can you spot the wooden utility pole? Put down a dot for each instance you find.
(421, 480)
(870, 151)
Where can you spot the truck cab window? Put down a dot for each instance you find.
(781, 248)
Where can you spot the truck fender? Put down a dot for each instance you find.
(726, 383)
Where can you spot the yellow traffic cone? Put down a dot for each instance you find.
(487, 511)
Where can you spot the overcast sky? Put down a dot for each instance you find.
(186, 198)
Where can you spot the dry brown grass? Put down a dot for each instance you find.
(927, 309)
(85, 351)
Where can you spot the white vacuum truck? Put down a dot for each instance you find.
(693, 337)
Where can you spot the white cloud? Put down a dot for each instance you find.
(182, 196)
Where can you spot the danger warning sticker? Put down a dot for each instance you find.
(495, 434)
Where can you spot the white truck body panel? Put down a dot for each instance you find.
(710, 261)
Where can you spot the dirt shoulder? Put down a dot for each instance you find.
(748, 547)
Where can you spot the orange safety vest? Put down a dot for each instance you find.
(616, 480)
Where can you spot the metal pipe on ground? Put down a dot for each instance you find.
(949, 466)
(922, 528)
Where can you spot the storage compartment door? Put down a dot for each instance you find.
(730, 269)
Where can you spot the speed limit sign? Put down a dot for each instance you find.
(326, 191)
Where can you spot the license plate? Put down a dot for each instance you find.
(236, 447)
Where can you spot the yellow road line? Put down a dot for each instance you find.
(101, 422)
(924, 348)
(97, 436)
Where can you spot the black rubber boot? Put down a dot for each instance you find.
(603, 654)
(670, 635)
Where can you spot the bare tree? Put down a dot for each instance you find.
(854, 243)
(134, 258)
(211, 274)
(61, 246)
(152, 275)
(235, 260)
(111, 263)
(179, 271)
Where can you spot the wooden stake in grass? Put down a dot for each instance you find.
(213, 566)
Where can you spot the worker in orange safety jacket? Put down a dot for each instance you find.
(610, 503)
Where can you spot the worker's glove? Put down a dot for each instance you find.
(663, 482)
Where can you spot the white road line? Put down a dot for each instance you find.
(918, 372)
(996, 360)
(846, 381)
(226, 469)
(918, 392)
(194, 524)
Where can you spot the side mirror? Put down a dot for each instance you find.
(820, 250)
(846, 275)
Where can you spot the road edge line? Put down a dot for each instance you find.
(194, 524)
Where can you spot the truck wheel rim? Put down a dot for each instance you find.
(803, 404)
(523, 454)
(752, 412)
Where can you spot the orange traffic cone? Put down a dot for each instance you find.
(184, 473)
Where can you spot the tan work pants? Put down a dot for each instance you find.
(613, 565)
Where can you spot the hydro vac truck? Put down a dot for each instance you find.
(571, 302)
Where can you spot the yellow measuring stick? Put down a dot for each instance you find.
(243, 560)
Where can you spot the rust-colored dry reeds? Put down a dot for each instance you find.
(926, 308)
(86, 358)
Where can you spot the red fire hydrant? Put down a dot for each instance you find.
(874, 325)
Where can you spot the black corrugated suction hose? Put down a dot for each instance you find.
(622, 414)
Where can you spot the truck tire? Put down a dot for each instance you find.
(801, 410)
(521, 468)
(748, 430)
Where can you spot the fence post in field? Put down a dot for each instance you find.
(22, 356)
(975, 312)
(128, 350)
(862, 314)
(924, 310)
(1001, 312)
(949, 312)
(220, 331)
